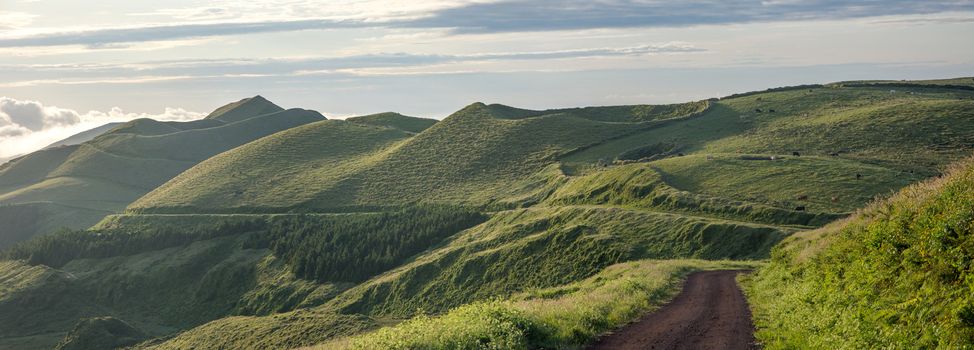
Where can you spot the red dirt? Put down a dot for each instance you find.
(710, 313)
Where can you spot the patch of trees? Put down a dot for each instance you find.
(61, 247)
(355, 247)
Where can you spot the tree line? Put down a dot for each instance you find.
(355, 247)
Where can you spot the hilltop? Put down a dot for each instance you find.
(84, 136)
(77, 185)
(509, 226)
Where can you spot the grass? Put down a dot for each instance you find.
(106, 174)
(897, 275)
(395, 120)
(562, 317)
(545, 264)
(820, 184)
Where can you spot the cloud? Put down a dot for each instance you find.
(239, 17)
(33, 116)
(165, 71)
(543, 15)
(26, 126)
(104, 37)
(13, 20)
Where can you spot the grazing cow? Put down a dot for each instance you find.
(770, 111)
(796, 154)
(834, 154)
(803, 197)
(835, 199)
(858, 176)
(757, 110)
(800, 208)
(710, 157)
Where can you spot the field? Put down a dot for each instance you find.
(518, 228)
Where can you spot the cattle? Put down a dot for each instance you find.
(803, 197)
(796, 154)
(800, 208)
(858, 176)
(834, 154)
(757, 110)
(835, 199)
(770, 111)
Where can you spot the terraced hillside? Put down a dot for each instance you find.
(336, 228)
(75, 186)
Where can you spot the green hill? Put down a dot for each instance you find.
(84, 136)
(496, 152)
(395, 120)
(895, 275)
(82, 183)
(550, 223)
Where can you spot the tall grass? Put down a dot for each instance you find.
(899, 275)
(563, 317)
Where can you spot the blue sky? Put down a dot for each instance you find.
(67, 65)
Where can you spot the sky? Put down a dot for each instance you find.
(68, 65)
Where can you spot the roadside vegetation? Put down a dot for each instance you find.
(563, 317)
(896, 275)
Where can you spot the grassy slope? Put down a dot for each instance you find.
(395, 120)
(427, 167)
(88, 181)
(610, 209)
(576, 225)
(566, 316)
(896, 275)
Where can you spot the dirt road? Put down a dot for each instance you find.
(710, 313)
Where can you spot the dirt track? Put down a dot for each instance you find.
(710, 313)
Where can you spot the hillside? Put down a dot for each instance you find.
(500, 223)
(79, 184)
(895, 275)
(84, 136)
(395, 120)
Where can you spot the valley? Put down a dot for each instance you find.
(496, 227)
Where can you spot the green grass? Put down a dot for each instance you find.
(829, 183)
(106, 174)
(897, 276)
(395, 120)
(546, 247)
(562, 317)
(370, 169)
(541, 263)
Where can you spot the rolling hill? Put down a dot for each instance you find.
(496, 226)
(84, 136)
(75, 186)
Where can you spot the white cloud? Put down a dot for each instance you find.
(13, 20)
(26, 126)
